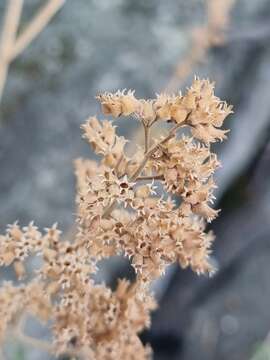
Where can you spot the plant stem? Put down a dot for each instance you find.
(11, 22)
(11, 46)
(118, 164)
(151, 177)
(146, 138)
(149, 153)
(39, 22)
(153, 150)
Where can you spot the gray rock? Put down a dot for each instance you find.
(92, 46)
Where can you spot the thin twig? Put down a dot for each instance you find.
(153, 150)
(11, 46)
(39, 22)
(151, 177)
(11, 23)
(139, 169)
(118, 164)
(146, 138)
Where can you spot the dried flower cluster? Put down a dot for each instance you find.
(120, 213)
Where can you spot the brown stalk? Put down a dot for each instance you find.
(140, 168)
(10, 46)
(146, 137)
(153, 150)
(150, 177)
(38, 23)
(11, 23)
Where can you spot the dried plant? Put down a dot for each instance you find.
(203, 38)
(11, 44)
(120, 213)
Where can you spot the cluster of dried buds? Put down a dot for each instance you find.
(121, 213)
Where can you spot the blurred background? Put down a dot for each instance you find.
(151, 45)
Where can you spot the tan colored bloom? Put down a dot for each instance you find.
(119, 104)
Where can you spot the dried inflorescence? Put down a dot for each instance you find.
(103, 321)
(120, 212)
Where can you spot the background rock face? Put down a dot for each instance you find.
(92, 46)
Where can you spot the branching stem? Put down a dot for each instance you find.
(153, 150)
(146, 138)
(140, 168)
(12, 45)
(150, 177)
(11, 22)
(38, 23)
